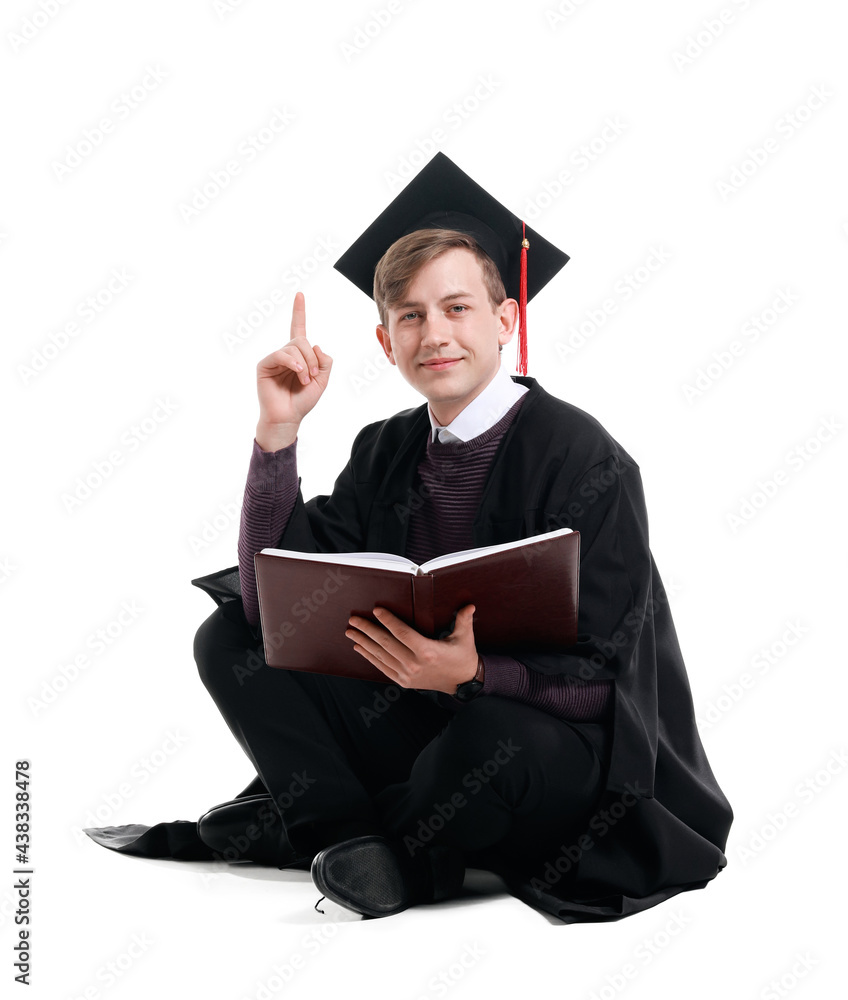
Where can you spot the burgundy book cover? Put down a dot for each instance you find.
(525, 599)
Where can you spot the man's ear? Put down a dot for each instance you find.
(507, 313)
(385, 341)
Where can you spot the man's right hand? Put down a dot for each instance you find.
(289, 383)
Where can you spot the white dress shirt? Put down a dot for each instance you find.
(483, 412)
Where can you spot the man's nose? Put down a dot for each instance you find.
(436, 328)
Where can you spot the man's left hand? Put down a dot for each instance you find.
(412, 660)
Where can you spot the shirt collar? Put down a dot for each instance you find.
(483, 412)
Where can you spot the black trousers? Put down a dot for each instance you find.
(342, 757)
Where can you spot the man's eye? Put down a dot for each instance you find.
(460, 308)
(410, 315)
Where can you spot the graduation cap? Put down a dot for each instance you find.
(441, 196)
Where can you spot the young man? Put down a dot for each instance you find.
(577, 774)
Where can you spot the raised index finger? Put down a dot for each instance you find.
(298, 323)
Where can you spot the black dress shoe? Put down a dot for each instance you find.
(377, 878)
(249, 829)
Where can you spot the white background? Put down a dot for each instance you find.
(511, 93)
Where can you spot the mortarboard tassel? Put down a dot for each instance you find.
(522, 307)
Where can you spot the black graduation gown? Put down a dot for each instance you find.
(662, 824)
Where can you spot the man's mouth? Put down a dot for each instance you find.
(439, 364)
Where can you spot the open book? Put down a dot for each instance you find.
(524, 592)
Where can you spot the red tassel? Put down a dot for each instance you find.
(522, 307)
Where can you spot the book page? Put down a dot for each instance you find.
(376, 560)
(452, 558)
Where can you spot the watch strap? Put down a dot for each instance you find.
(471, 688)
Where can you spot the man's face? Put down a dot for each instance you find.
(446, 315)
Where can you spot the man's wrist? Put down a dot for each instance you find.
(273, 437)
(474, 685)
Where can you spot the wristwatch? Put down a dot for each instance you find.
(470, 689)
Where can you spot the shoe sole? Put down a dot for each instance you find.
(362, 875)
